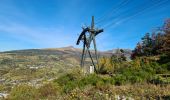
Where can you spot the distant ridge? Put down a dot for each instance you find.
(72, 51)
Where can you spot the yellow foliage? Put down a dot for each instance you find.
(136, 63)
(106, 63)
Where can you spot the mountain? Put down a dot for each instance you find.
(63, 53)
(34, 66)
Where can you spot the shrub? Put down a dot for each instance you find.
(90, 79)
(70, 80)
(120, 79)
(105, 65)
(48, 90)
(69, 86)
(23, 92)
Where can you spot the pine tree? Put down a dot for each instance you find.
(157, 43)
(147, 44)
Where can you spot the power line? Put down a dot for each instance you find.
(139, 12)
(126, 13)
(113, 10)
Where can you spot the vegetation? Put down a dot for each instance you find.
(146, 76)
(23, 92)
(93, 86)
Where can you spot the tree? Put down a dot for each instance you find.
(137, 51)
(165, 58)
(166, 45)
(157, 43)
(150, 45)
(119, 56)
(147, 45)
(145, 48)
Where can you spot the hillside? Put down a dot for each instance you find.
(68, 54)
(34, 66)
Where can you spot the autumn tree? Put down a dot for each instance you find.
(157, 42)
(166, 29)
(137, 51)
(144, 48)
(165, 58)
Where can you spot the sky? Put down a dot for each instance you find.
(36, 24)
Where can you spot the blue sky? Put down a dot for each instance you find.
(27, 24)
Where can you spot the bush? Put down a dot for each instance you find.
(48, 90)
(69, 86)
(95, 80)
(120, 80)
(65, 79)
(74, 75)
(105, 65)
(23, 92)
(90, 79)
(70, 81)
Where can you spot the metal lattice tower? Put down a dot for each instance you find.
(87, 42)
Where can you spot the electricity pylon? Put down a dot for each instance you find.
(87, 39)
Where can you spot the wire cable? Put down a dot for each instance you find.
(113, 10)
(138, 13)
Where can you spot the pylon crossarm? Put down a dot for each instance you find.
(98, 31)
(81, 35)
